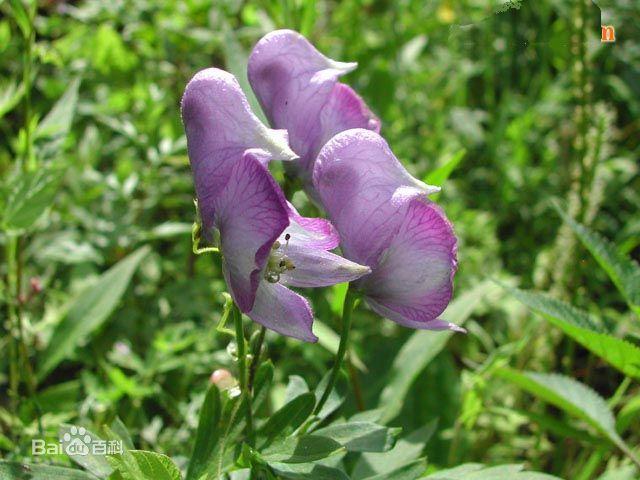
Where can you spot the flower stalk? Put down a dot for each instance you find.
(242, 373)
(347, 310)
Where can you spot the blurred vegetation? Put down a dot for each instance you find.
(520, 100)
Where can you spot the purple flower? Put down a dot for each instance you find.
(265, 244)
(385, 221)
(298, 89)
(220, 128)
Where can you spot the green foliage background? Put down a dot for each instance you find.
(522, 97)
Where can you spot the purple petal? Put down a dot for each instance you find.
(318, 268)
(316, 233)
(298, 89)
(362, 186)
(251, 213)
(413, 281)
(220, 127)
(284, 311)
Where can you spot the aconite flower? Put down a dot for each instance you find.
(266, 245)
(299, 91)
(386, 221)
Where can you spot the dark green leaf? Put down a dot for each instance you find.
(361, 436)
(289, 417)
(623, 271)
(208, 433)
(301, 449)
(27, 471)
(405, 451)
(411, 471)
(302, 471)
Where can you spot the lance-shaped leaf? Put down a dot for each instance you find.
(584, 330)
(89, 311)
(573, 397)
(623, 271)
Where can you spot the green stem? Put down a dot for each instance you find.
(14, 368)
(242, 372)
(27, 58)
(256, 357)
(347, 310)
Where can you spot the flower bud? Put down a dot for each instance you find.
(222, 378)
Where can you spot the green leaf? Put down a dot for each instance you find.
(476, 471)
(289, 417)
(57, 122)
(628, 472)
(30, 196)
(361, 436)
(295, 387)
(207, 434)
(336, 397)
(263, 378)
(94, 463)
(301, 449)
(119, 428)
(410, 471)
(21, 16)
(571, 396)
(10, 95)
(406, 450)
(623, 271)
(89, 311)
(30, 471)
(304, 471)
(441, 174)
(579, 326)
(148, 466)
(422, 347)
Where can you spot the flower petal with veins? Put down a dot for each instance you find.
(220, 128)
(251, 213)
(298, 89)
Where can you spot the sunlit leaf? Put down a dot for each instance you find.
(30, 196)
(571, 396)
(301, 449)
(361, 436)
(148, 466)
(579, 326)
(58, 121)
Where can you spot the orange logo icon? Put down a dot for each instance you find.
(608, 33)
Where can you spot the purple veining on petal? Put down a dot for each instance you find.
(298, 89)
(220, 127)
(283, 311)
(361, 184)
(386, 221)
(251, 213)
(414, 276)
